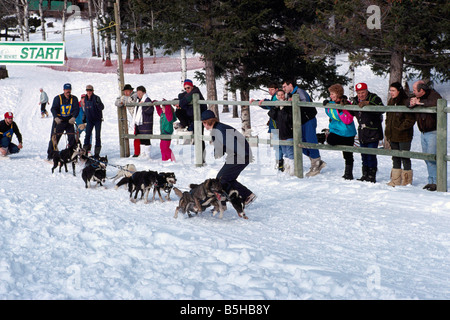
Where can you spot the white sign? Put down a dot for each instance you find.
(32, 53)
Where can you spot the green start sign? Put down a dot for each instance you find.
(32, 53)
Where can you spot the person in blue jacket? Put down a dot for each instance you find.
(309, 125)
(342, 127)
(273, 129)
(229, 141)
(7, 129)
(93, 112)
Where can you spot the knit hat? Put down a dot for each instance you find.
(67, 86)
(208, 114)
(361, 86)
(188, 82)
(8, 115)
(127, 87)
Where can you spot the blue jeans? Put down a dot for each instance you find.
(309, 135)
(369, 160)
(8, 145)
(428, 140)
(87, 138)
(288, 151)
(278, 148)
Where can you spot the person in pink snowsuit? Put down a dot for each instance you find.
(167, 118)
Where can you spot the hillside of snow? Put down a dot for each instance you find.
(314, 238)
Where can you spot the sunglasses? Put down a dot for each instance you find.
(89, 90)
(188, 87)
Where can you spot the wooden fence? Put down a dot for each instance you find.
(440, 157)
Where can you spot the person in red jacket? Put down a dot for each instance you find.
(7, 129)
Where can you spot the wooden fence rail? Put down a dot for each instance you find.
(441, 157)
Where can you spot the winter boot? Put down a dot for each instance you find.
(97, 151)
(145, 151)
(371, 175)
(407, 177)
(280, 165)
(396, 178)
(348, 173)
(316, 165)
(365, 171)
(289, 167)
(46, 113)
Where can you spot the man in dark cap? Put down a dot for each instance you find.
(65, 109)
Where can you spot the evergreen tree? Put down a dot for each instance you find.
(410, 34)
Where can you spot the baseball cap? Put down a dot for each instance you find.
(361, 86)
(9, 115)
(67, 86)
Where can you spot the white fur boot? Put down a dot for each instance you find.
(145, 151)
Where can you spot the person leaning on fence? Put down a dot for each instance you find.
(7, 129)
(342, 127)
(399, 131)
(424, 96)
(370, 130)
(185, 110)
(65, 109)
(282, 115)
(309, 125)
(93, 107)
(43, 101)
(167, 118)
(273, 129)
(129, 96)
(228, 140)
(143, 120)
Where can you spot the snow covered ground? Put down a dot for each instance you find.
(312, 238)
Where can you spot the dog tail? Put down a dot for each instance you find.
(193, 185)
(178, 192)
(122, 182)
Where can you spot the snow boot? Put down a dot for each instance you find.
(97, 151)
(396, 178)
(145, 151)
(365, 171)
(348, 173)
(280, 165)
(371, 175)
(316, 165)
(407, 177)
(289, 166)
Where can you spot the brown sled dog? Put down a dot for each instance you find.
(200, 197)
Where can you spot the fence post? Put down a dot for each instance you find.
(297, 136)
(441, 145)
(197, 130)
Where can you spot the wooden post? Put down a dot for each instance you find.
(297, 128)
(441, 145)
(197, 130)
(121, 111)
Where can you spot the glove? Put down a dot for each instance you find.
(72, 120)
(58, 120)
(325, 102)
(362, 104)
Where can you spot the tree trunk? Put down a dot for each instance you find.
(211, 91)
(128, 54)
(245, 114)
(25, 20)
(235, 107)
(64, 27)
(396, 67)
(91, 27)
(225, 95)
(19, 19)
(41, 14)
